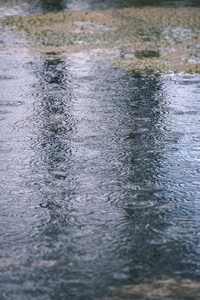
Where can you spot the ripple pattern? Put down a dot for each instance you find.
(99, 179)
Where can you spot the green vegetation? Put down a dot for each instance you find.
(147, 41)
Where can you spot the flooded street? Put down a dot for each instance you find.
(100, 172)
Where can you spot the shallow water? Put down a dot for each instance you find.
(100, 178)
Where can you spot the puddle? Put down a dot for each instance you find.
(99, 153)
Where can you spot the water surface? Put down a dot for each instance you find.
(100, 178)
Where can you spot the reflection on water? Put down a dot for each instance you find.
(99, 179)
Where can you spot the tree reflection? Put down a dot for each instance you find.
(56, 124)
(101, 152)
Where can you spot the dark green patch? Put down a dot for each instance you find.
(147, 53)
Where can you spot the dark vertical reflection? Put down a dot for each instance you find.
(53, 109)
(55, 126)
